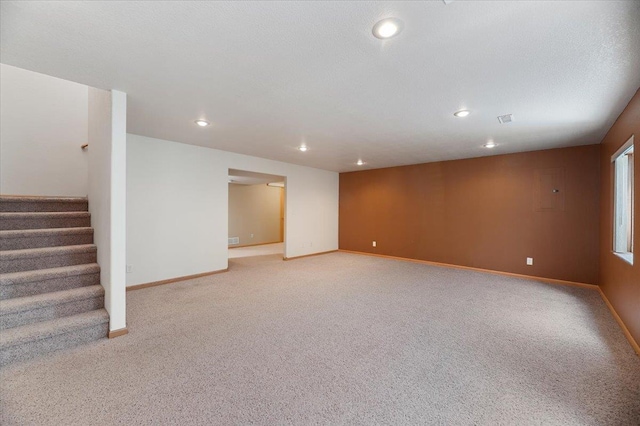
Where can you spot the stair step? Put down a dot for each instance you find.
(28, 341)
(34, 238)
(30, 283)
(43, 204)
(44, 307)
(45, 258)
(15, 221)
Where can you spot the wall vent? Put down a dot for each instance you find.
(507, 118)
(234, 240)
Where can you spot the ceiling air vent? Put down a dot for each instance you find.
(504, 119)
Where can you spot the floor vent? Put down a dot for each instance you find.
(234, 240)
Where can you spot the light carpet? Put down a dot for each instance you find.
(342, 339)
(260, 250)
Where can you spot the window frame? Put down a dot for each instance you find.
(626, 185)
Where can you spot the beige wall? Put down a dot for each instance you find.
(254, 209)
(44, 123)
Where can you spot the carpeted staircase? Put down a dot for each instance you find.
(50, 292)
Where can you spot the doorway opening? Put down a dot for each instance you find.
(256, 214)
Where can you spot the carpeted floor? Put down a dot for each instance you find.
(261, 250)
(342, 339)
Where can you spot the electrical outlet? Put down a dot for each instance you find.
(129, 269)
(530, 261)
(374, 244)
(251, 235)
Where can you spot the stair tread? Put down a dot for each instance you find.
(46, 329)
(20, 304)
(26, 215)
(51, 233)
(38, 199)
(15, 278)
(46, 251)
(28, 204)
(27, 233)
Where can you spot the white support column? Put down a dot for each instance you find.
(118, 210)
(107, 196)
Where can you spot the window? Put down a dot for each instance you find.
(623, 201)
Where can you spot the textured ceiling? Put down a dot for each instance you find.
(272, 75)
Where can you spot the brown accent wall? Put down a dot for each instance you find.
(619, 280)
(490, 212)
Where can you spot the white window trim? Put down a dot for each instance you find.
(622, 149)
(626, 256)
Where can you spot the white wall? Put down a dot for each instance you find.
(43, 124)
(107, 195)
(177, 208)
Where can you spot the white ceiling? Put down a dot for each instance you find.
(272, 75)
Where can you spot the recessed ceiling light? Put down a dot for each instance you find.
(490, 144)
(387, 28)
(202, 123)
(360, 163)
(303, 148)
(462, 113)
